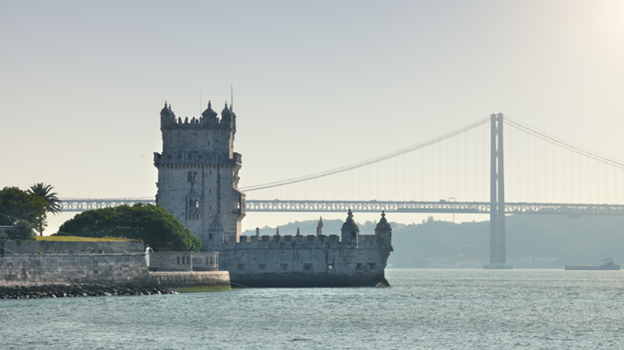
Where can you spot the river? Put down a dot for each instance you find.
(424, 309)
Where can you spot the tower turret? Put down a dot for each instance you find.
(214, 237)
(166, 116)
(383, 231)
(350, 230)
(209, 115)
(226, 117)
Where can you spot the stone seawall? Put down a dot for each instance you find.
(89, 269)
(175, 279)
(60, 247)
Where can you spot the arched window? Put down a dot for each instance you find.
(190, 176)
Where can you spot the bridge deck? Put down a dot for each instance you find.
(571, 209)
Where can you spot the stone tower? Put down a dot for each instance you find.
(198, 174)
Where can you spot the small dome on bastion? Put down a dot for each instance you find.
(349, 224)
(383, 223)
(209, 111)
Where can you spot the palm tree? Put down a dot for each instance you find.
(53, 204)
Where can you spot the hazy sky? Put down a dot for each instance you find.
(317, 84)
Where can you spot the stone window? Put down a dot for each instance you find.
(262, 266)
(179, 155)
(283, 267)
(372, 266)
(352, 234)
(209, 235)
(307, 266)
(190, 156)
(178, 258)
(211, 262)
(241, 266)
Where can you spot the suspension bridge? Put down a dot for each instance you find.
(495, 165)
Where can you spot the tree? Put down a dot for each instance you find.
(16, 204)
(52, 203)
(154, 225)
(23, 230)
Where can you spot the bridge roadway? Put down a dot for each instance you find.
(574, 210)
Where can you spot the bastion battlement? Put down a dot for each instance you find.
(309, 241)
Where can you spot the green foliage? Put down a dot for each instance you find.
(154, 225)
(22, 231)
(16, 204)
(52, 204)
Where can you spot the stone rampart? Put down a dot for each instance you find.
(64, 268)
(59, 247)
(174, 279)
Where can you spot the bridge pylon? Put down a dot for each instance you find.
(498, 241)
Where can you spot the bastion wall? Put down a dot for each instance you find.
(112, 263)
(304, 260)
(64, 268)
(56, 247)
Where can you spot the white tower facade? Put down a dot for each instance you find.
(198, 174)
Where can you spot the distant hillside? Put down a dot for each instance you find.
(532, 241)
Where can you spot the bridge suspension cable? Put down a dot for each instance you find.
(371, 160)
(564, 144)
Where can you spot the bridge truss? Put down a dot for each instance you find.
(78, 205)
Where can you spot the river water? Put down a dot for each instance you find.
(424, 309)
